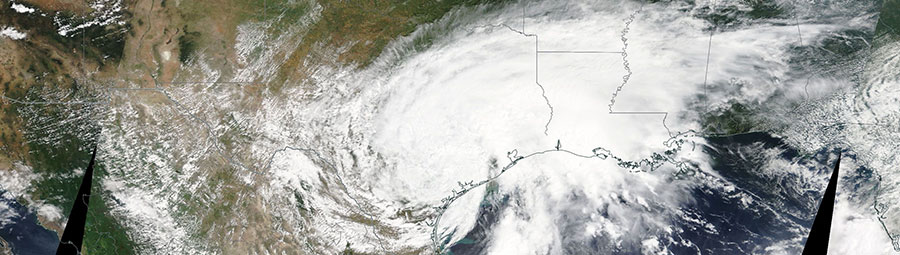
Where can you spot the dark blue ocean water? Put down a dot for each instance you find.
(24, 235)
(771, 221)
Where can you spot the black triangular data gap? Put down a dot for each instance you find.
(817, 242)
(73, 235)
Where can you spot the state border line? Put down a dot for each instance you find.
(537, 53)
(654, 161)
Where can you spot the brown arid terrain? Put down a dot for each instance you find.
(88, 70)
(355, 127)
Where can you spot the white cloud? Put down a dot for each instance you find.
(106, 12)
(402, 134)
(438, 117)
(151, 218)
(473, 97)
(22, 8)
(49, 212)
(855, 232)
(7, 214)
(17, 181)
(12, 33)
(861, 118)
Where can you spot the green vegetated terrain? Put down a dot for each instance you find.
(736, 119)
(55, 140)
(836, 54)
(367, 27)
(57, 162)
(889, 20)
